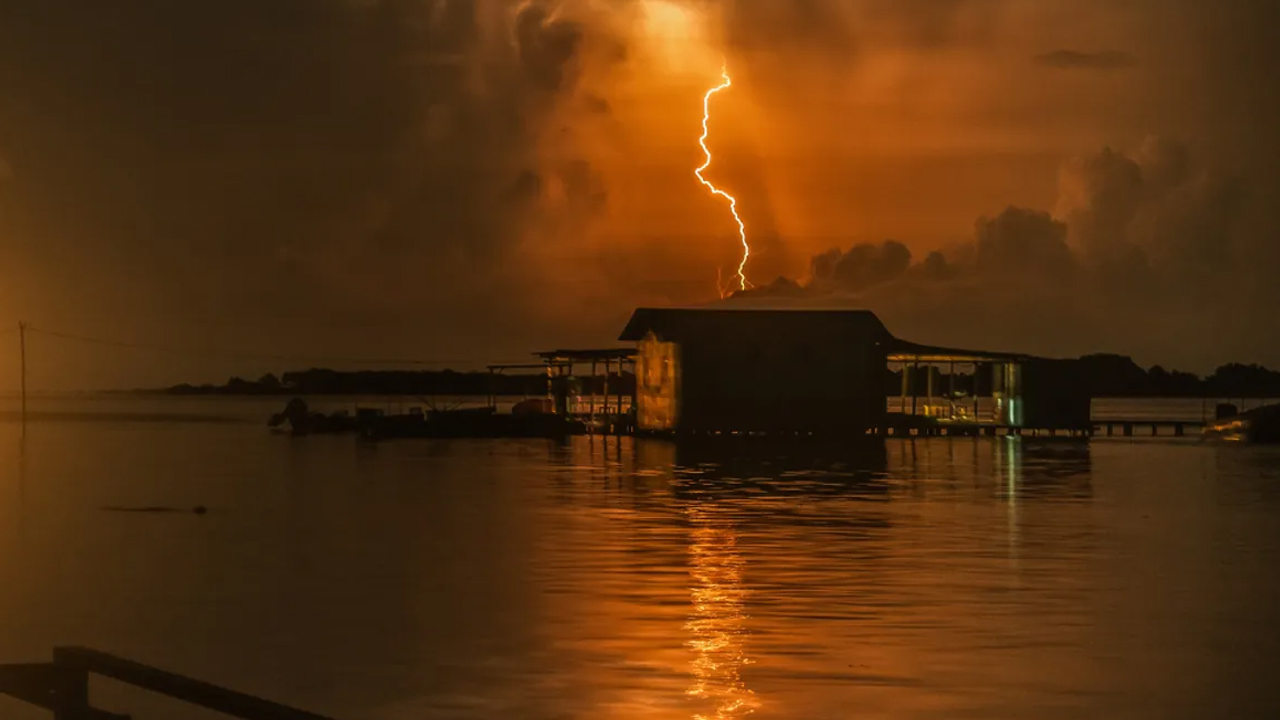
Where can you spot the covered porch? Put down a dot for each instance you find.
(956, 386)
(592, 385)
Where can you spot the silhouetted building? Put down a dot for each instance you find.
(1055, 394)
(749, 370)
(759, 370)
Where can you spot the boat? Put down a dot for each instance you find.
(485, 422)
(302, 421)
(1260, 425)
(529, 419)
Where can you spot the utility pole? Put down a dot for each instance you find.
(22, 349)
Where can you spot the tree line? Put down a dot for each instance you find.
(1103, 376)
(397, 382)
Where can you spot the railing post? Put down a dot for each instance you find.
(71, 693)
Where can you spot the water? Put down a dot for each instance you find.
(934, 578)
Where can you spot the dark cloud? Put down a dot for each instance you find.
(1077, 60)
(1023, 242)
(781, 288)
(1157, 213)
(547, 47)
(1151, 248)
(936, 268)
(865, 265)
(355, 150)
(772, 26)
(1100, 195)
(841, 28)
(424, 173)
(341, 173)
(596, 104)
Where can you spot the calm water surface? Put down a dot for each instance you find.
(938, 578)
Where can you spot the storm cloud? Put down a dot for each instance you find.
(1139, 242)
(201, 162)
(473, 179)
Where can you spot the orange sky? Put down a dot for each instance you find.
(456, 179)
(897, 143)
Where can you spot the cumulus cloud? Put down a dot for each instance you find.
(1023, 241)
(862, 266)
(1077, 60)
(1154, 214)
(1143, 244)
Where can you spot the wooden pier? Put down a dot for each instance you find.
(62, 687)
(913, 425)
(1102, 428)
(1148, 428)
(978, 430)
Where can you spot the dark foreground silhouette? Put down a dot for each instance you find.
(53, 686)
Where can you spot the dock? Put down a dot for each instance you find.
(1103, 428)
(62, 688)
(837, 373)
(1148, 427)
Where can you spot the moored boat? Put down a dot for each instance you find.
(465, 423)
(302, 421)
(1260, 425)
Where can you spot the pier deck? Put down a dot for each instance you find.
(1105, 428)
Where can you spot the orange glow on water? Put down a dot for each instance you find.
(725, 84)
(718, 623)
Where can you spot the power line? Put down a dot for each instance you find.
(195, 352)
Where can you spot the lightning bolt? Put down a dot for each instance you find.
(725, 84)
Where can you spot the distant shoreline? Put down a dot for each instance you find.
(390, 383)
(1105, 376)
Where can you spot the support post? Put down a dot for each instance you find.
(22, 350)
(976, 391)
(621, 365)
(608, 367)
(595, 375)
(928, 387)
(551, 398)
(906, 385)
(915, 369)
(951, 390)
(72, 691)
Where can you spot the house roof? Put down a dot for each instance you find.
(678, 324)
(682, 324)
(609, 354)
(905, 351)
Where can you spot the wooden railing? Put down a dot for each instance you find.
(62, 687)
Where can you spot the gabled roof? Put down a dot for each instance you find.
(906, 350)
(684, 324)
(677, 324)
(609, 354)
